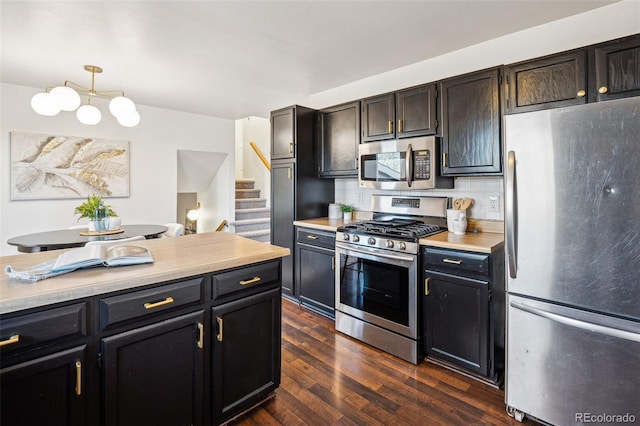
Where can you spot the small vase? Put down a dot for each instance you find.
(101, 219)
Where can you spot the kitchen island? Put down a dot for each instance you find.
(193, 338)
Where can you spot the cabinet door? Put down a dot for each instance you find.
(456, 321)
(378, 118)
(246, 352)
(550, 82)
(153, 375)
(283, 134)
(617, 67)
(282, 217)
(46, 391)
(339, 140)
(315, 277)
(416, 111)
(471, 124)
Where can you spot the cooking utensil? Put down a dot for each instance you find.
(457, 203)
(466, 203)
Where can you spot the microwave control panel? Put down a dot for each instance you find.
(422, 165)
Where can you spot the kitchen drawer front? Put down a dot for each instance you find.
(457, 262)
(40, 328)
(315, 238)
(145, 303)
(241, 282)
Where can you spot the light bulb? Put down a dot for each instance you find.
(193, 214)
(121, 106)
(44, 105)
(129, 120)
(65, 97)
(88, 114)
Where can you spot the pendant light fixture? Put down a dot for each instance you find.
(67, 98)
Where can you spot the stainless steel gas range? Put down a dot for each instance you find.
(377, 281)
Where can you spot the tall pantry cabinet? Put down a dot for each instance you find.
(297, 192)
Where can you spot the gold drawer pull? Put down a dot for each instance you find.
(426, 286)
(581, 93)
(455, 262)
(251, 281)
(220, 326)
(201, 331)
(11, 340)
(312, 237)
(78, 378)
(166, 301)
(603, 90)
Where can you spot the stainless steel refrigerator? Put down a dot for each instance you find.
(572, 213)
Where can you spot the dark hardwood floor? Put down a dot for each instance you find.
(329, 378)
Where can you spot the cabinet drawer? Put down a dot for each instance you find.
(246, 280)
(315, 238)
(457, 262)
(40, 328)
(116, 309)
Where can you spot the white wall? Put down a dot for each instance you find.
(610, 22)
(153, 172)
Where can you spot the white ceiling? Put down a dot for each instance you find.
(234, 59)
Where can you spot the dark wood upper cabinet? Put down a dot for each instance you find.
(406, 113)
(617, 69)
(549, 82)
(471, 124)
(416, 111)
(339, 139)
(283, 133)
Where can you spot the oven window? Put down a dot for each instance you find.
(384, 167)
(374, 287)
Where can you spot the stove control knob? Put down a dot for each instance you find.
(389, 244)
(356, 239)
(402, 246)
(371, 241)
(345, 237)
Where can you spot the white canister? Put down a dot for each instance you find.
(453, 214)
(115, 223)
(334, 211)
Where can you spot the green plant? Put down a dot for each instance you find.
(88, 208)
(346, 208)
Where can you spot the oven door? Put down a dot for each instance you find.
(378, 287)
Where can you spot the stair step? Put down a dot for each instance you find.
(252, 225)
(249, 203)
(253, 213)
(262, 235)
(245, 183)
(247, 193)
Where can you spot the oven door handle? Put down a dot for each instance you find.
(378, 254)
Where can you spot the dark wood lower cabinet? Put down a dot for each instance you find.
(46, 391)
(246, 352)
(315, 269)
(154, 375)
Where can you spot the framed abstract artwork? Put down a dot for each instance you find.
(52, 167)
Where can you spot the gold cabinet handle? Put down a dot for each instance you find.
(333, 263)
(312, 237)
(426, 286)
(289, 172)
(581, 93)
(166, 301)
(78, 378)
(603, 90)
(290, 147)
(455, 262)
(400, 126)
(220, 325)
(390, 126)
(10, 341)
(201, 332)
(444, 160)
(251, 281)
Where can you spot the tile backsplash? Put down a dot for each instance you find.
(480, 189)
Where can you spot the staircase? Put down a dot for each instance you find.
(253, 217)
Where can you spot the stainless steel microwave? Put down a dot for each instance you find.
(401, 164)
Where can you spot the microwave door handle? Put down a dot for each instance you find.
(409, 165)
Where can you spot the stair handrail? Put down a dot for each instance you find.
(262, 158)
(222, 225)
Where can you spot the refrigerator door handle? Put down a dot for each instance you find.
(573, 322)
(512, 214)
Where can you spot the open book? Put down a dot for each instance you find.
(84, 257)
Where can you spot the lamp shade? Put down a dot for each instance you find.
(44, 105)
(88, 114)
(129, 120)
(121, 106)
(65, 97)
(193, 214)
